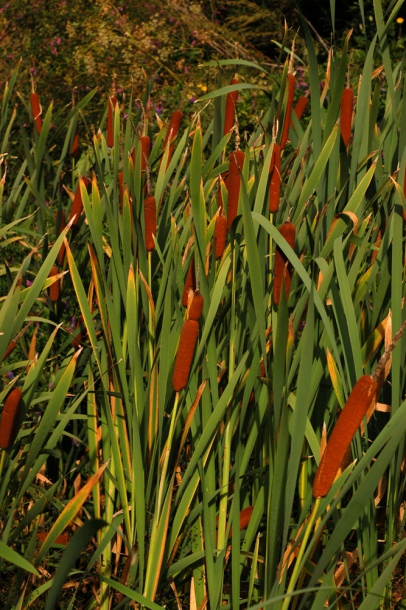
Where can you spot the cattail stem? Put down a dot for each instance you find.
(166, 452)
(376, 375)
(299, 559)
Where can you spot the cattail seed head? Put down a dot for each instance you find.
(110, 120)
(145, 150)
(11, 418)
(36, 110)
(10, 349)
(184, 355)
(77, 204)
(54, 289)
(301, 106)
(235, 166)
(150, 222)
(275, 179)
(174, 126)
(196, 306)
(347, 99)
(354, 410)
(231, 104)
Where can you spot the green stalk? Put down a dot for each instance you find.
(298, 563)
(221, 541)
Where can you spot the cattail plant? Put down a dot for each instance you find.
(150, 222)
(54, 289)
(275, 178)
(245, 518)
(184, 355)
(145, 150)
(187, 343)
(75, 145)
(236, 162)
(9, 350)
(36, 109)
(173, 127)
(347, 99)
(172, 132)
(110, 120)
(360, 401)
(11, 418)
(230, 111)
(291, 85)
(300, 107)
(282, 270)
(196, 306)
(77, 204)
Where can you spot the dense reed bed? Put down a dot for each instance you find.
(186, 346)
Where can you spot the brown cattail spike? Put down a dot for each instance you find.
(275, 179)
(150, 222)
(36, 109)
(347, 99)
(174, 126)
(110, 120)
(145, 150)
(184, 355)
(11, 418)
(196, 306)
(282, 270)
(54, 289)
(231, 105)
(301, 106)
(172, 132)
(10, 349)
(235, 166)
(356, 407)
(77, 204)
(245, 518)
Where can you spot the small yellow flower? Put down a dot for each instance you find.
(400, 20)
(202, 87)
